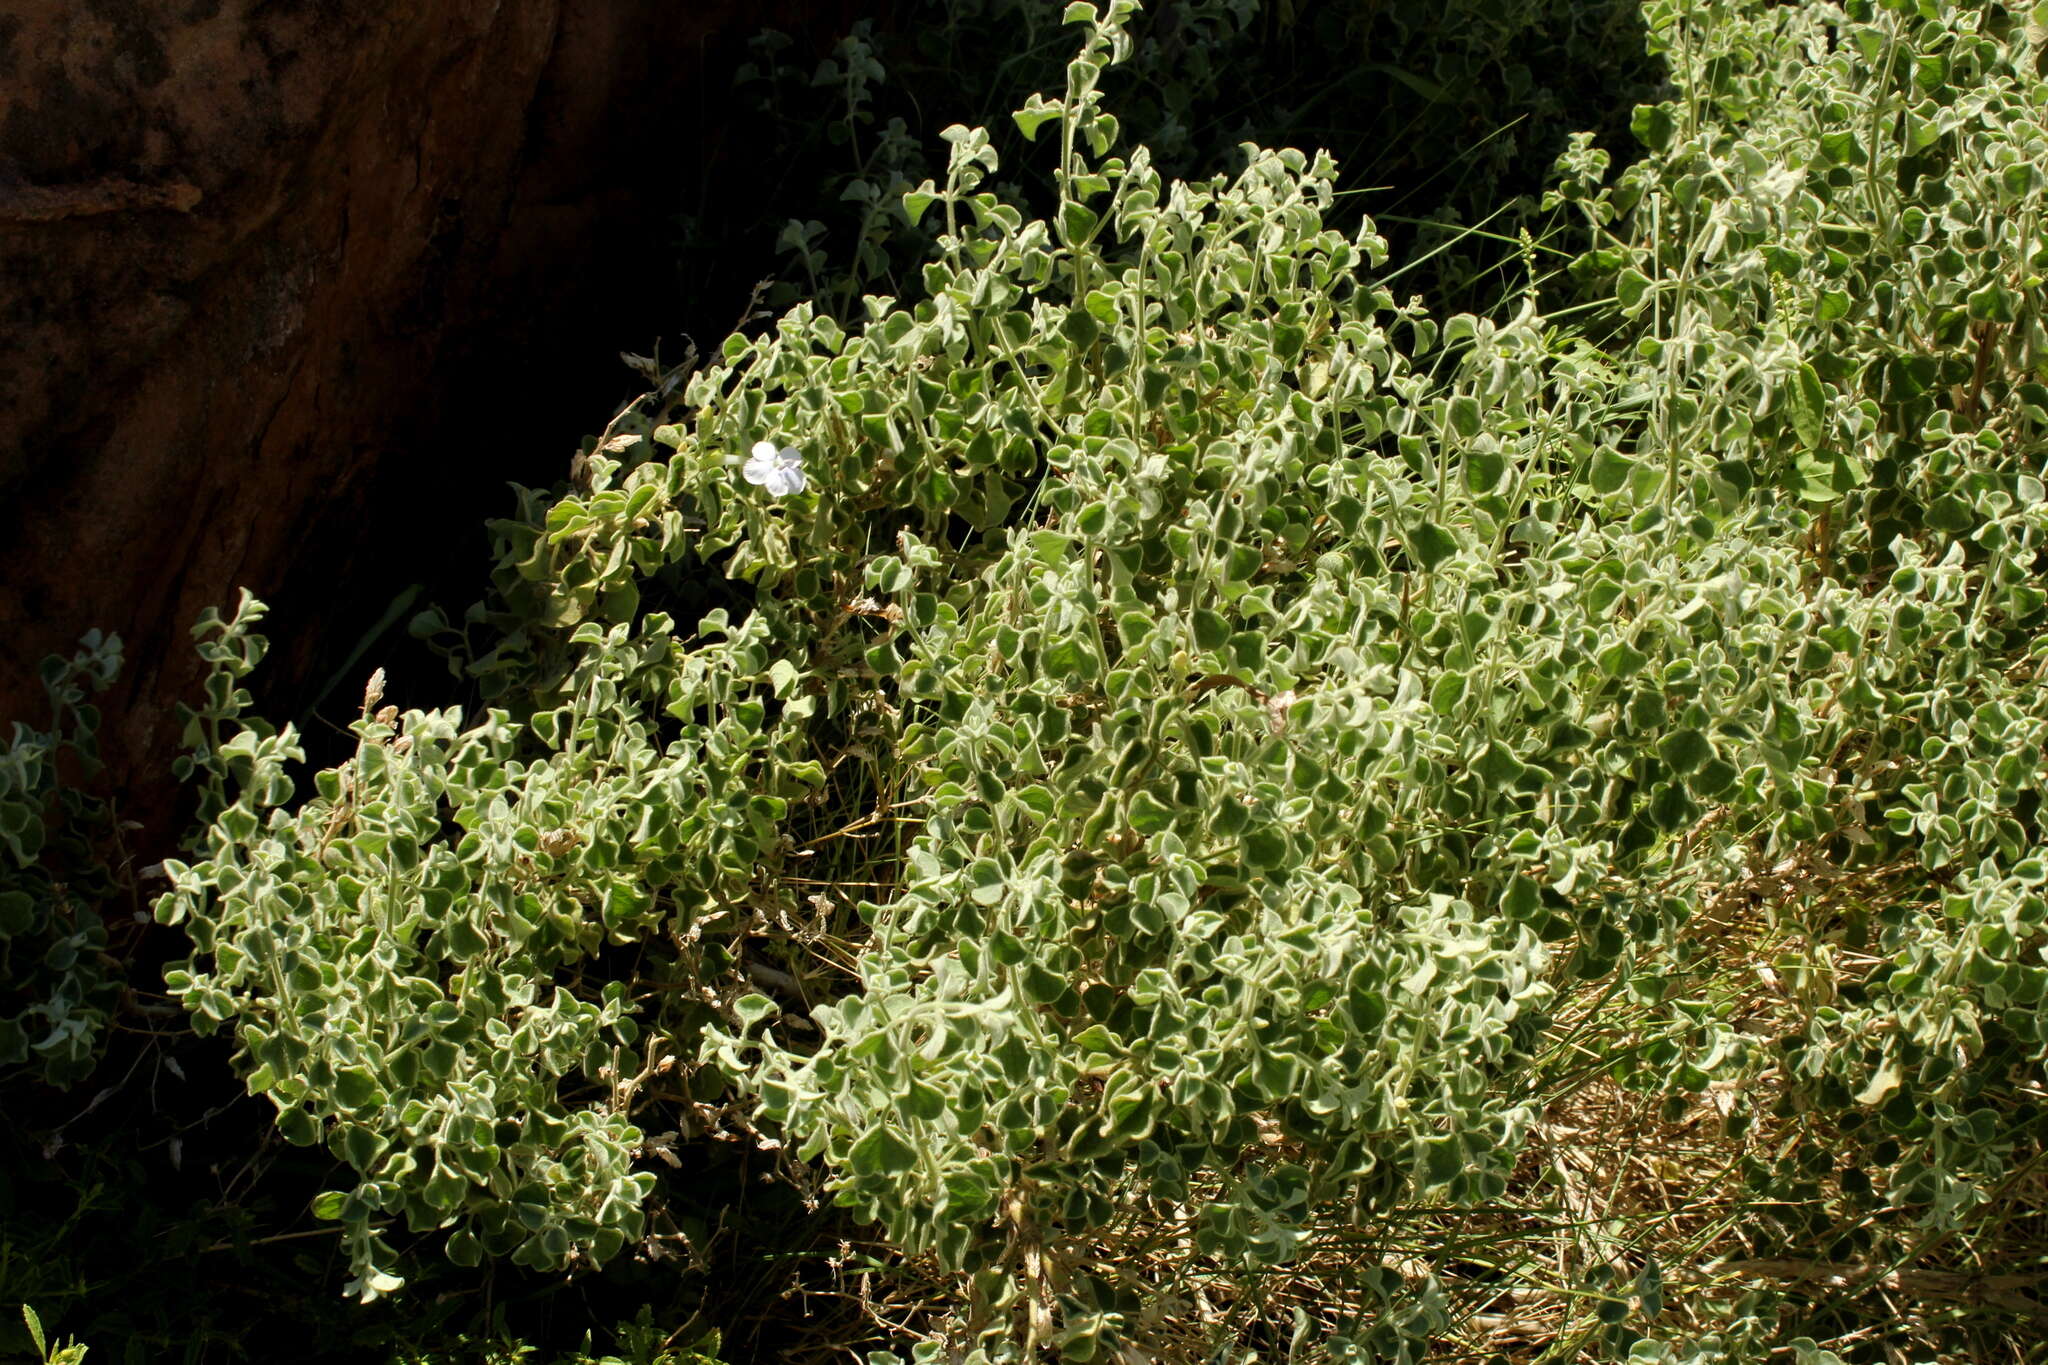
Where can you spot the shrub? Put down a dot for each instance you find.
(57, 984)
(1192, 753)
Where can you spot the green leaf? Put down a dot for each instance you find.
(922, 1101)
(1465, 415)
(1095, 1039)
(1446, 693)
(1609, 471)
(1654, 125)
(1077, 223)
(1841, 147)
(1441, 1162)
(915, 202)
(1622, 660)
(17, 913)
(1685, 750)
(1630, 287)
(1036, 113)
(464, 1248)
(1498, 766)
(1149, 815)
(1807, 401)
(881, 1152)
(1484, 471)
(356, 1088)
(1432, 544)
(1265, 849)
(1080, 327)
(1523, 899)
(985, 881)
(1951, 514)
(1068, 658)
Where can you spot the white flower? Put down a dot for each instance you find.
(781, 472)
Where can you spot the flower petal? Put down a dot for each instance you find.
(764, 450)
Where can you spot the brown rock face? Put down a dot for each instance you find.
(274, 271)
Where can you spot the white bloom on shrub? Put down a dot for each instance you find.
(781, 472)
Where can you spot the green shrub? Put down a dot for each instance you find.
(1183, 736)
(58, 987)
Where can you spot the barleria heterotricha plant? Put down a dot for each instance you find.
(1155, 757)
(58, 986)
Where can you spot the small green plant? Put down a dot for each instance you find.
(58, 987)
(64, 1353)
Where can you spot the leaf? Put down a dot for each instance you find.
(1654, 125)
(17, 913)
(1095, 1039)
(1685, 750)
(915, 202)
(1484, 471)
(1882, 1083)
(1068, 659)
(1080, 327)
(1446, 692)
(1432, 544)
(1149, 815)
(1630, 287)
(1622, 659)
(1465, 415)
(356, 1088)
(1841, 147)
(986, 883)
(1609, 471)
(922, 1101)
(1523, 899)
(1077, 223)
(1498, 766)
(1951, 514)
(1441, 1162)
(1265, 849)
(881, 1152)
(35, 1330)
(1428, 89)
(465, 1248)
(1807, 401)
(1036, 113)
